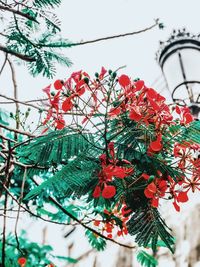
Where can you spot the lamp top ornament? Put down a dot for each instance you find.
(178, 40)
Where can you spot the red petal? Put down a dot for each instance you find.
(124, 80)
(97, 192)
(109, 191)
(145, 176)
(47, 90)
(119, 172)
(188, 118)
(96, 222)
(176, 206)
(182, 197)
(156, 146)
(154, 202)
(162, 185)
(178, 111)
(67, 105)
(148, 193)
(60, 124)
(103, 72)
(134, 115)
(114, 111)
(21, 261)
(152, 187)
(154, 105)
(139, 85)
(58, 84)
(152, 93)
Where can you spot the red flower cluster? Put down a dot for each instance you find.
(68, 92)
(109, 171)
(155, 190)
(145, 104)
(144, 108)
(111, 224)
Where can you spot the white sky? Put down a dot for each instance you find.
(89, 19)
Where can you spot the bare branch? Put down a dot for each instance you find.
(17, 12)
(16, 54)
(117, 35)
(15, 130)
(4, 63)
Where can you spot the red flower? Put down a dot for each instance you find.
(186, 116)
(109, 191)
(102, 74)
(60, 124)
(114, 111)
(58, 84)
(124, 81)
(139, 85)
(97, 192)
(135, 115)
(155, 190)
(22, 261)
(182, 197)
(67, 105)
(156, 145)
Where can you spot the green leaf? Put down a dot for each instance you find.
(148, 227)
(95, 241)
(146, 259)
(74, 178)
(57, 147)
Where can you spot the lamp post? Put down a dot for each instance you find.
(179, 59)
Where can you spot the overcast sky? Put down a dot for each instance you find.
(89, 19)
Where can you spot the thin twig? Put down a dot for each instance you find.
(16, 131)
(6, 183)
(4, 63)
(15, 95)
(116, 36)
(19, 207)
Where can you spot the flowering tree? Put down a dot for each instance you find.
(114, 147)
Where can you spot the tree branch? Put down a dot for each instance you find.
(15, 130)
(16, 54)
(17, 12)
(117, 35)
(4, 63)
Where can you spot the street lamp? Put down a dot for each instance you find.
(179, 59)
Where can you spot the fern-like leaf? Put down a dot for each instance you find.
(148, 227)
(55, 148)
(95, 241)
(146, 260)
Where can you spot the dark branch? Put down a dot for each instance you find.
(17, 12)
(16, 54)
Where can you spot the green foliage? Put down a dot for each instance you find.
(55, 148)
(148, 227)
(46, 3)
(72, 179)
(95, 241)
(37, 39)
(146, 260)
